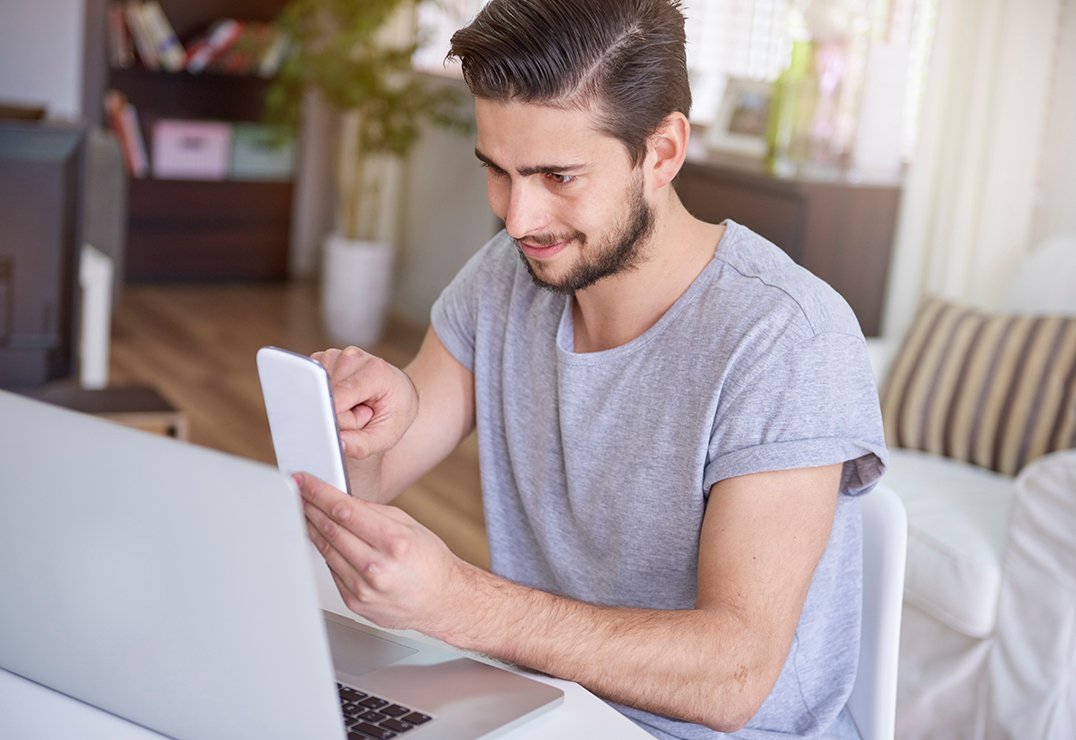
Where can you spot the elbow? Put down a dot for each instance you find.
(732, 719)
(747, 691)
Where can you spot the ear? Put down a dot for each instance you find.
(667, 149)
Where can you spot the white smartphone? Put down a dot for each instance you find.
(302, 419)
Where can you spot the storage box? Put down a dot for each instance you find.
(261, 152)
(191, 150)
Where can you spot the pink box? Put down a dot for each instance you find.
(191, 150)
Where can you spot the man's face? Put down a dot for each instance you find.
(567, 194)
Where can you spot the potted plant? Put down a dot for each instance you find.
(357, 55)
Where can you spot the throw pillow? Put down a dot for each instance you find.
(996, 391)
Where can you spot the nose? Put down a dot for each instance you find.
(526, 210)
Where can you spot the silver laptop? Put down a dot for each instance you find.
(174, 586)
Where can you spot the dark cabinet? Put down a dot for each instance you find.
(838, 228)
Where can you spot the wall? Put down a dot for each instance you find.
(41, 56)
(446, 218)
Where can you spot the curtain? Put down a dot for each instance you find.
(969, 197)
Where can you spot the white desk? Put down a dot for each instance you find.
(31, 711)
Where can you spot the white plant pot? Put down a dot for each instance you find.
(356, 282)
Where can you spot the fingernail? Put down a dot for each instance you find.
(298, 478)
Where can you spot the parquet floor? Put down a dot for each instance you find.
(196, 344)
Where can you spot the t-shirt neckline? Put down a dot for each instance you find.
(566, 329)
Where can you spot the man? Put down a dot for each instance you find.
(673, 418)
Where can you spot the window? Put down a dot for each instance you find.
(437, 21)
(747, 38)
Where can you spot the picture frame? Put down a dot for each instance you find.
(742, 118)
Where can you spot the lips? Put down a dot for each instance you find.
(542, 252)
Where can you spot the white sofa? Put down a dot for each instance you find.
(988, 642)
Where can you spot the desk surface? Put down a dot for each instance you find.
(34, 711)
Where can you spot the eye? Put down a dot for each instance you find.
(560, 179)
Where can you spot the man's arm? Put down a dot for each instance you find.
(397, 425)
(761, 539)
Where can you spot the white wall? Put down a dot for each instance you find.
(446, 218)
(41, 54)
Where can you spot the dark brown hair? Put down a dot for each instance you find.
(624, 58)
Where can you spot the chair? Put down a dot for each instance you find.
(873, 702)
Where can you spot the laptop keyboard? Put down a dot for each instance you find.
(368, 716)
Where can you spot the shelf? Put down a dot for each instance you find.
(204, 230)
(206, 96)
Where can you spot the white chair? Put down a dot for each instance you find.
(873, 703)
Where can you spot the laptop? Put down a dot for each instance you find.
(174, 586)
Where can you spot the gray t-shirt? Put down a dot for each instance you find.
(596, 467)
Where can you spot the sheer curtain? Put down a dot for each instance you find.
(969, 197)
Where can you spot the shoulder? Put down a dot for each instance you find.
(760, 312)
(764, 284)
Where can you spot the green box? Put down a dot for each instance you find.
(261, 152)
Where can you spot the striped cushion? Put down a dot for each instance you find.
(992, 390)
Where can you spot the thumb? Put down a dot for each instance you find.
(361, 443)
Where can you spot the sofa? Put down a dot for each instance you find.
(988, 638)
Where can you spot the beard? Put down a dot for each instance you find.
(620, 251)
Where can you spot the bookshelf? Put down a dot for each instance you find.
(200, 229)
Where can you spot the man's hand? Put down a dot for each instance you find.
(375, 402)
(389, 442)
(387, 567)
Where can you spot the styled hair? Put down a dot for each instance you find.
(625, 59)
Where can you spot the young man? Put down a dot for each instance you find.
(674, 419)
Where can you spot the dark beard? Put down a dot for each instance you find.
(622, 253)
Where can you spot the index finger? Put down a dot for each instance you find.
(352, 384)
(327, 358)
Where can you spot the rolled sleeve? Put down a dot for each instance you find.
(812, 406)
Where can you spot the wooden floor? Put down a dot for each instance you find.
(196, 345)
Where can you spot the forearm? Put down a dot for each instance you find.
(366, 478)
(706, 666)
(383, 477)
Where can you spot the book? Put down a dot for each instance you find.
(120, 53)
(166, 44)
(113, 104)
(220, 36)
(134, 129)
(274, 55)
(244, 55)
(123, 120)
(143, 41)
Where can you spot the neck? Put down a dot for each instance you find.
(620, 308)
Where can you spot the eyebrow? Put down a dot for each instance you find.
(542, 169)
